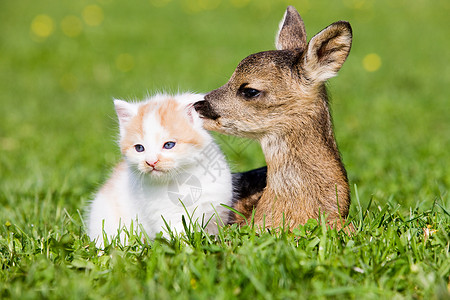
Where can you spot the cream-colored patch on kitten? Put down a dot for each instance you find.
(168, 157)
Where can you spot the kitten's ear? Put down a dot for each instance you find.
(187, 100)
(192, 114)
(125, 111)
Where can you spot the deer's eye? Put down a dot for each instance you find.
(249, 93)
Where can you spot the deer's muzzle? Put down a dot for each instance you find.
(205, 110)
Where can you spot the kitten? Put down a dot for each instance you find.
(168, 157)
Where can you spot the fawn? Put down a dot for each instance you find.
(279, 98)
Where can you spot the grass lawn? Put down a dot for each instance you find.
(62, 63)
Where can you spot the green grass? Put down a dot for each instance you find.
(57, 145)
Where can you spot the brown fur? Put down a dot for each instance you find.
(245, 206)
(292, 35)
(291, 118)
(173, 117)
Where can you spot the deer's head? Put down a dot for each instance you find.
(268, 90)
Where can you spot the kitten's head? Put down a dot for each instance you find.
(161, 136)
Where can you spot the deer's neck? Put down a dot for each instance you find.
(304, 164)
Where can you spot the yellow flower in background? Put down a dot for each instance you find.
(371, 62)
(355, 4)
(71, 26)
(101, 72)
(125, 62)
(42, 26)
(239, 3)
(159, 3)
(93, 15)
(193, 283)
(69, 82)
(195, 6)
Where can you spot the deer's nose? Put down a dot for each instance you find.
(199, 105)
(205, 110)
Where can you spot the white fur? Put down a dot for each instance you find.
(130, 195)
(278, 46)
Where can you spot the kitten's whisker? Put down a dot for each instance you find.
(138, 193)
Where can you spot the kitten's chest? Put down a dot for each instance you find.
(168, 199)
(153, 203)
(149, 195)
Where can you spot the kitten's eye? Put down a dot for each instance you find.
(139, 148)
(249, 93)
(169, 145)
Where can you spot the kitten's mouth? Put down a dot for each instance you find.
(152, 167)
(155, 170)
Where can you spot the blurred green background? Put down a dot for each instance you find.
(62, 63)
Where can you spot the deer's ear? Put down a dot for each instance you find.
(291, 33)
(327, 51)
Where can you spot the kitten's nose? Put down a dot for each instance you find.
(152, 164)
